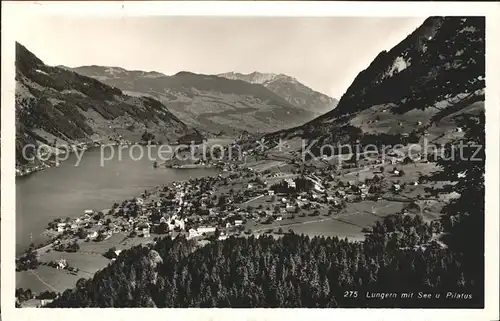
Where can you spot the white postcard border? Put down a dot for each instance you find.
(16, 15)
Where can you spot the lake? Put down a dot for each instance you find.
(68, 190)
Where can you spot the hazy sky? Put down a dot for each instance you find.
(323, 53)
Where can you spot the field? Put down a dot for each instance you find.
(89, 259)
(356, 215)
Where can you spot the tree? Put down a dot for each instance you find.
(147, 137)
(162, 228)
(110, 253)
(407, 160)
(465, 215)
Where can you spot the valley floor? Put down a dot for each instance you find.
(341, 207)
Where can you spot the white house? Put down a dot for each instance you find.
(290, 183)
(92, 235)
(193, 233)
(318, 188)
(61, 227)
(238, 222)
(279, 218)
(44, 302)
(206, 229)
(180, 224)
(61, 264)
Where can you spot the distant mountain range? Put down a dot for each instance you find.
(289, 88)
(55, 105)
(224, 103)
(421, 86)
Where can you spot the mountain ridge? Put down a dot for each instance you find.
(209, 102)
(58, 106)
(289, 88)
(437, 67)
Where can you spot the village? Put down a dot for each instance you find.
(262, 194)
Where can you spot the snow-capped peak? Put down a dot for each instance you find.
(257, 77)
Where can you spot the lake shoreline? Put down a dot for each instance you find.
(70, 190)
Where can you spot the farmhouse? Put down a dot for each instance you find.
(92, 235)
(62, 264)
(290, 182)
(61, 227)
(193, 233)
(206, 229)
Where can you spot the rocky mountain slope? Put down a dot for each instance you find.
(289, 88)
(209, 103)
(54, 105)
(419, 87)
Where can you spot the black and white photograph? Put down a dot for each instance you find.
(250, 161)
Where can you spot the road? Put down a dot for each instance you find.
(253, 199)
(45, 283)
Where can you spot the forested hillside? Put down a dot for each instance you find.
(54, 105)
(420, 85)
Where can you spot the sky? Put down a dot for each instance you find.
(323, 53)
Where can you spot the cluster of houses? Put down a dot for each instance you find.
(190, 207)
(26, 170)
